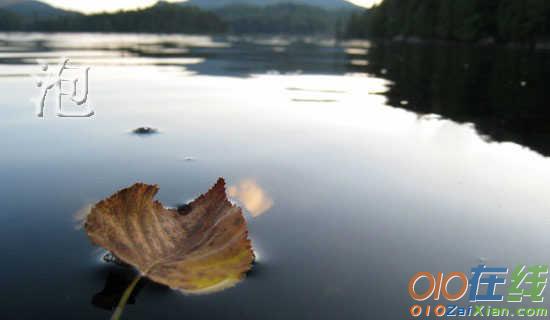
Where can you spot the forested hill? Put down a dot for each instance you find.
(32, 9)
(164, 17)
(160, 18)
(283, 18)
(459, 20)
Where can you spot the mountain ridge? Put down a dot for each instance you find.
(216, 4)
(32, 8)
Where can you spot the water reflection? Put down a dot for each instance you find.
(252, 196)
(116, 282)
(373, 189)
(500, 90)
(234, 56)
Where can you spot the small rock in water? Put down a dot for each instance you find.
(383, 71)
(523, 83)
(145, 130)
(404, 102)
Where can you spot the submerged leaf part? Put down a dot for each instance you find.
(204, 248)
(252, 196)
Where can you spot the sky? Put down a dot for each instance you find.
(112, 5)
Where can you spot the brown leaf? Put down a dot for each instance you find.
(201, 249)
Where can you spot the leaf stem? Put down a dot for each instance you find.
(124, 299)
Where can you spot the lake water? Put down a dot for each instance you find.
(361, 165)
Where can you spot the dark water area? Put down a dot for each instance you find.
(357, 165)
(501, 90)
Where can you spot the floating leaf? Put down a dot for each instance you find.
(201, 248)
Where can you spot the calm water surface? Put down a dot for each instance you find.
(365, 164)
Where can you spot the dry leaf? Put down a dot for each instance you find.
(200, 249)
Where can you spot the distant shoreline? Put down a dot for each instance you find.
(171, 18)
(488, 42)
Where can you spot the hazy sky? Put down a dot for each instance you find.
(110, 5)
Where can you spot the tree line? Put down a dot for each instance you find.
(161, 18)
(455, 20)
(10, 21)
(284, 18)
